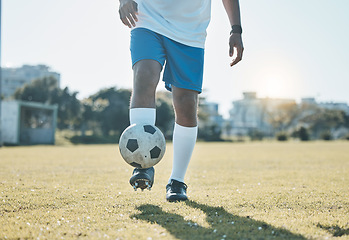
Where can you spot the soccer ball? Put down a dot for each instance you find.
(142, 145)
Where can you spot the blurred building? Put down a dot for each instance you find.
(310, 106)
(252, 113)
(14, 78)
(312, 103)
(212, 110)
(211, 120)
(27, 123)
(334, 105)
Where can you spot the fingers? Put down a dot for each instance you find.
(231, 50)
(238, 58)
(131, 20)
(235, 41)
(125, 21)
(134, 12)
(134, 16)
(128, 13)
(235, 61)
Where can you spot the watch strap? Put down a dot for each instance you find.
(236, 29)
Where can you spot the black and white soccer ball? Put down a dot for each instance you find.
(142, 145)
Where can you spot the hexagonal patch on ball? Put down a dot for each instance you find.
(149, 129)
(132, 145)
(155, 152)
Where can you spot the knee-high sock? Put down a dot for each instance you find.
(142, 115)
(184, 139)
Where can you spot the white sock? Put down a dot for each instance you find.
(184, 139)
(142, 115)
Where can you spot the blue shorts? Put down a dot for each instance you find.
(184, 64)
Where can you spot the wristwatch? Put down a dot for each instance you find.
(236, 29)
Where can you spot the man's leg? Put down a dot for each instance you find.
(146, 75)
(184, 137)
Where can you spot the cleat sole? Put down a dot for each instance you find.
(142, 184)
(142, 180)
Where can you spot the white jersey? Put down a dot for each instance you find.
(184, 21)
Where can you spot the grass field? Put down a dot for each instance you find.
(237, 191)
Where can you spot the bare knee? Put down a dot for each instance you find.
(185, 103)
(146, 77)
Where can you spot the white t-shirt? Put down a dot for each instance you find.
(184, 21)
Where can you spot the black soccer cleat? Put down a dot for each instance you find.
(176, 191)
(142, 178)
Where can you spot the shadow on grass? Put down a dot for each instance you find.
(222, 224)
(335, 230)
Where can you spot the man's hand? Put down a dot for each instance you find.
(235, 41)
(128, 12)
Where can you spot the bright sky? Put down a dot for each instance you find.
(293, 49)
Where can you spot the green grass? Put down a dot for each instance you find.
(261, 190)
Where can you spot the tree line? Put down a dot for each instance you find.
(103, 115)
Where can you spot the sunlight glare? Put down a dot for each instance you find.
(274, 87)
(278, 78)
